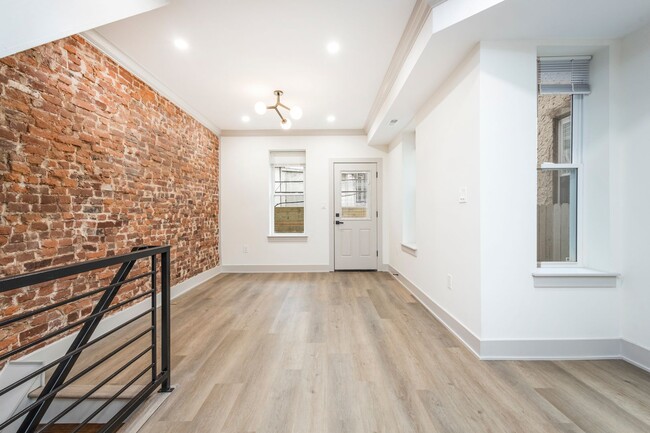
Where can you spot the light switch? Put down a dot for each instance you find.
(462, 195)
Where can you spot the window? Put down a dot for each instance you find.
(354, 194)
(562, 84)
(287, 192)
(408, 191)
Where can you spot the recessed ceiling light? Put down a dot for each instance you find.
(331, 118)
(181, 44)
(333, 47)
(245, 119)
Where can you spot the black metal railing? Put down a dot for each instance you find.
(31, 416)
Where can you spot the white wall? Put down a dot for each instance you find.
(512, 307)
(245, 197)
(633, 140)
(447, 233)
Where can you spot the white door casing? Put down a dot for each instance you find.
(355, 216)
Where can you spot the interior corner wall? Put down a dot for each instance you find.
(447, 232)
(632, 117)
(245, 196)
(513, 309)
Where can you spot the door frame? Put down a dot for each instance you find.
(379, 202)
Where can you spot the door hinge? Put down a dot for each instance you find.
(377, 253)
(377, 174)
(377, 214)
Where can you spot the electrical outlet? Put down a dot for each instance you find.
(450, 281)
(245, 249)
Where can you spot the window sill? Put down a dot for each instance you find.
(288, 237)
(573, 277)
(410, 249)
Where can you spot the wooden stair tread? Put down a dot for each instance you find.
(105, 392)
(65, 428)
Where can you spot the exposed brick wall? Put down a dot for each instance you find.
(94, 162)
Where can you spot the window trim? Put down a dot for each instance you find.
(409, 208)
(286, 236)
(577, 121)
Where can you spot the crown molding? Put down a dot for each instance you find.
(290, 132)
(122, 59)
(418, 18)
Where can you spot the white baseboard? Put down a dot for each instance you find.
(635, 354)
(256, 269)
(195, 281)
(466, 336)
(550, 349)
(575, 349)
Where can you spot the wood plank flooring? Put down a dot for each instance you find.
(355, 352)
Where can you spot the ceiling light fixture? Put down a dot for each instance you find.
(295, 112)
(333, 47)
(181, 44)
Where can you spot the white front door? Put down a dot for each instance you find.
(355, 216)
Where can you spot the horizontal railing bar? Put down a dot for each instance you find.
(115, 423)
(83, 372)
(82, 398)
(110, 400)
(67, 301)
(73, 325)
(74, 352)
(45, 275)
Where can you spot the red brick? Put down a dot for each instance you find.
(99, 164)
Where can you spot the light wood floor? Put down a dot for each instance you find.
(355, 352)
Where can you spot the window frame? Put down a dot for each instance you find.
(577, 113)
(271, 205)
(409, 194)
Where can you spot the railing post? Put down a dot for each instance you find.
(166, 321)
(154, 321)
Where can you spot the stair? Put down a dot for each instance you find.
(72, 393)
(66, 428)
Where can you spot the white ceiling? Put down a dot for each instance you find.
(26, 24)
(241, 50)
(582, 22)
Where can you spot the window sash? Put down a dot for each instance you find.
(558, 221)
(574, 172)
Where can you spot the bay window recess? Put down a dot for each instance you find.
(563, 89)
(409, 166)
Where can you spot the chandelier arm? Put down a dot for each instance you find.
(279, 114)
(280, 104)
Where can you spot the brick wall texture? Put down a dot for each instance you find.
(94, 162)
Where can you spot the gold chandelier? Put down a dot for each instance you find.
(295, 112)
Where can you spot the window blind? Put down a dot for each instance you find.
(563, 75)
(287, 157)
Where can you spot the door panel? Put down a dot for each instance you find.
(364, 242)
(355, 216)
(346, 242)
